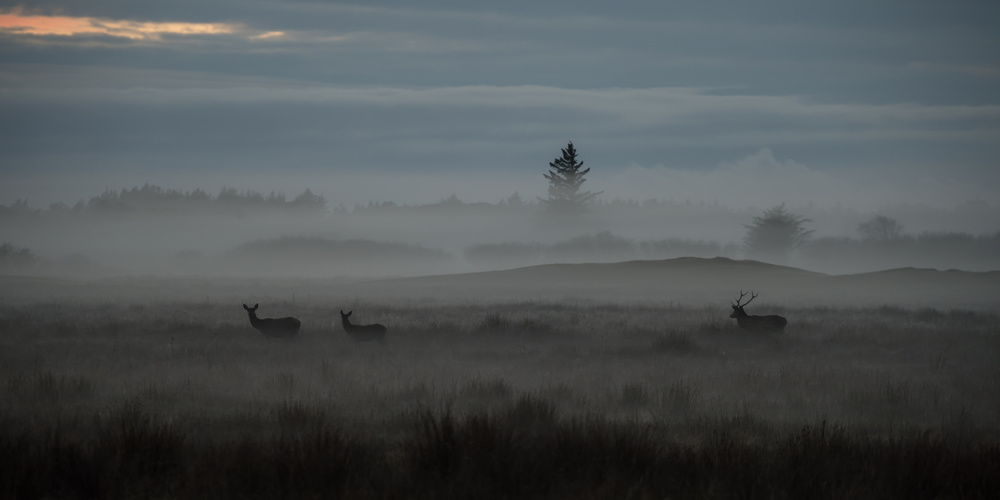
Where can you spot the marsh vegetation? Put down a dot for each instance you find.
(182, 398)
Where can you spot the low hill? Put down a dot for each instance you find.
(692, 280)
(688, 281)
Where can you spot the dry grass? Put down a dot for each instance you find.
(504, 399)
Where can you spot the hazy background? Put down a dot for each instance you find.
(716, 110)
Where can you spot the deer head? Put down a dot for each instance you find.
(738, 308)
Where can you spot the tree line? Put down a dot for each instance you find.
(776, 235)
(157, 199)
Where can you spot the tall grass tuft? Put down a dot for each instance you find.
(494, 322)
(675, 342)
(491, 388)
(531, 413)
(680, 396)
(49, 387)
(633, 395)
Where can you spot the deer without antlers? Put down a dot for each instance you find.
(770, 323)
(362, 333)
(273, 327)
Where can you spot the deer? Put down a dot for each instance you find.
(770, 323)
(273, 327)
(362, 333)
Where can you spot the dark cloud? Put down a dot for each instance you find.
(384, 87)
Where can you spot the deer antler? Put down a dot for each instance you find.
(742, 294)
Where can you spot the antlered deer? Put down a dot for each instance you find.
(362, 333)
(770, 323)
(273, 327)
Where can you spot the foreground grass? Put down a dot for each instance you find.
(183, 399)
(521, 452)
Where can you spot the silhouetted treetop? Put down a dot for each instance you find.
(18, 208)
(309, 201)
(565, 180)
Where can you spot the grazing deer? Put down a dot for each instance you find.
(770, 323)
(362, 333)
(273, 327)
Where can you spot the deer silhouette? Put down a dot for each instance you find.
(362, 333)
(750, 323)
(273, 327)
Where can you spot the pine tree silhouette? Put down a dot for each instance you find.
(565, 179)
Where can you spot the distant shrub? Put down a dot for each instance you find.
(775, 235)
(880, 228)
(13, 257)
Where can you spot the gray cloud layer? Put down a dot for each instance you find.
(679, 90)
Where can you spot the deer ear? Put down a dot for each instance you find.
(245, 307)
(255, 306)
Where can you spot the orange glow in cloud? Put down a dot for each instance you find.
(269, 34)
(135, 30)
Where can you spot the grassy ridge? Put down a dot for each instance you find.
(491, 400)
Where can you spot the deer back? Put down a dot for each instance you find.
(767, 323)
(362, 333)
(279, 327)
(273, 327)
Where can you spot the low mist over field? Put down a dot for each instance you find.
(151, 230)
(161, 386)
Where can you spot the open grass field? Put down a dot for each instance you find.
(474, 398)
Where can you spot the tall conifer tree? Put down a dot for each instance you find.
(565, 179)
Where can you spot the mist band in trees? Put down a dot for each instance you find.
(775, 235)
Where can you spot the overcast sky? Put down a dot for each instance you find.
(747, 103)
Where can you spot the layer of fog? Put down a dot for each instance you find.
(434, 239)
(428, 222)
